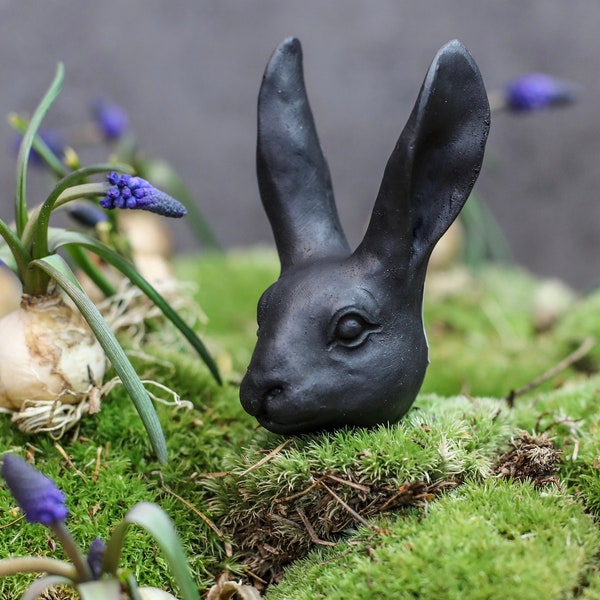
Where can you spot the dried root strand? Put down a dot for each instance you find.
(55, 417)
(129, 309)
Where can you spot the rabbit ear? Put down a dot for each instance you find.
(434, 165)
(293, 176)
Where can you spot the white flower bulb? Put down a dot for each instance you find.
(47, 352)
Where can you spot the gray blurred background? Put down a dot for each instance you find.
(188, 73)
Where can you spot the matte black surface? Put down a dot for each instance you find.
(340, 338)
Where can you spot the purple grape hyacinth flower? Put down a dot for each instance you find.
(132, 192)
(37, 495)
(111, 119)
(537, 90)
(95, 556)
(87, 214)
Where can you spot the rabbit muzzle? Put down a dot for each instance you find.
(318, 401)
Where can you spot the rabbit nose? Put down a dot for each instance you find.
(249, 396)
(254, 394)
(273, 392)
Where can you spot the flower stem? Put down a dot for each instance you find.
(16, 247)
(37, 564)
(72, 550)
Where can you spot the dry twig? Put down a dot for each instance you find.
(571, 359)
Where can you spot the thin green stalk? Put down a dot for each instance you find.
(76, 192)
(25, 148)
(37, 236)
(132, 587)
(82, 260)
(72, 550)
(16, 247)
(36, 564)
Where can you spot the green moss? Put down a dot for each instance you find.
(483, 340)
(437, 446)
(579, 324)
(492, 540)
(482, 538)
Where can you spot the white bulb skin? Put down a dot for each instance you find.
(47, 352)
(150, 593)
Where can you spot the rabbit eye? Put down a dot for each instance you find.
(350, 329)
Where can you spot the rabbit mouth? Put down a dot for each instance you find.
(282, 428)
(281, 409)
(280, 414)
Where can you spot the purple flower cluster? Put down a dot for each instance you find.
(132, 192)
(37, 495)
(95, 556)
(111, 119)
(537, 90)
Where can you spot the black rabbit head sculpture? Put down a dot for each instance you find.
(340, 337)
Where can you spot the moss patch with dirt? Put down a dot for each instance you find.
(477, 493)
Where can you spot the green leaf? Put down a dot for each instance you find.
(65, 238)
(52, 161)
(57, 268)
(25, 148)
(157, 523)
(17, 250)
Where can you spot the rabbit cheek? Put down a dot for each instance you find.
(381, 380)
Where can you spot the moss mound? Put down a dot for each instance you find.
(469, 496)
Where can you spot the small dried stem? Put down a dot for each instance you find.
(572, 358)
(311, 531)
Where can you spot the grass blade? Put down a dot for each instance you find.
(56, 267)
(157, 523)
(64, 239)
(25, 148)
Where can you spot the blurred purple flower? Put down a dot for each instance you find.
(111, 119)
(53, 138)
(537, 90)
(37, 495)
(95, 556)
(87, 214)
(137, 193)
